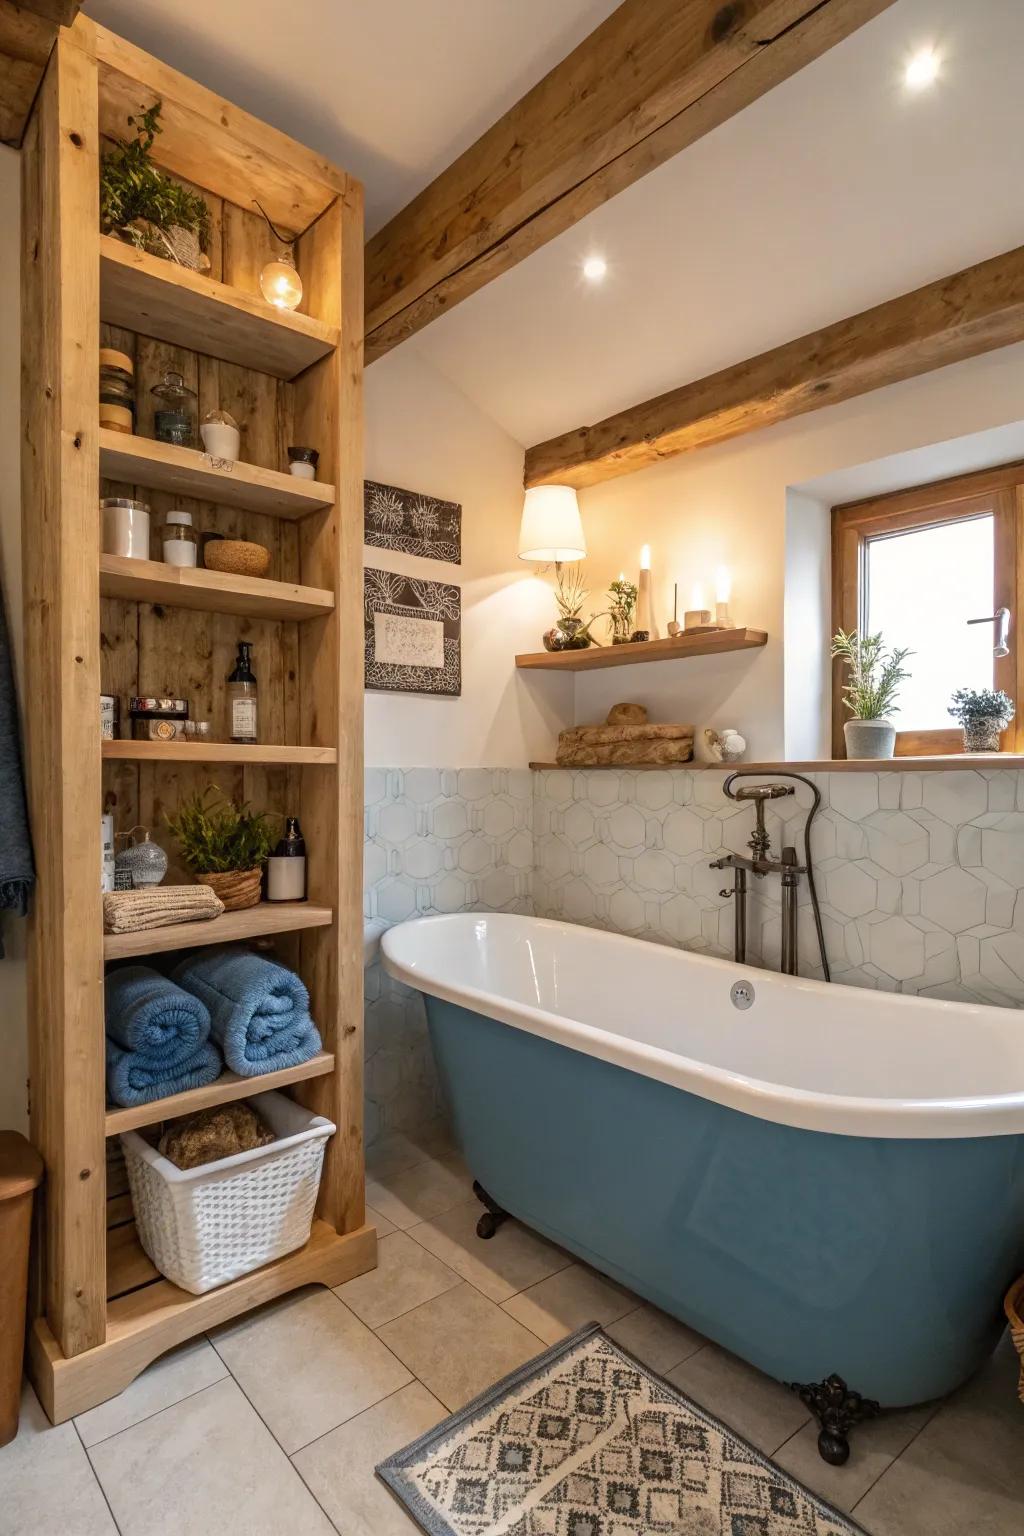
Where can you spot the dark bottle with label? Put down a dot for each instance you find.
(286, 867)
(243, 718)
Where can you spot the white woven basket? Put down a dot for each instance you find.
(205, 1226)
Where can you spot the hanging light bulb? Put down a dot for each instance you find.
(280, 283)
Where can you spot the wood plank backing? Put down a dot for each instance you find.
(653, 78)
(60, 489)
(971, 312)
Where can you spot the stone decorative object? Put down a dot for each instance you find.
(724, 746)
(626, 737)
(869, 738)
(627, 714)
(236, 888)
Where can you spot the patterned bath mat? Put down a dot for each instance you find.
(586, 1441)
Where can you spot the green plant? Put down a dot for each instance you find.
(133, 189)
(570, 593)
(971, 704)
(875, 674)
(217, 836)
(622, 606)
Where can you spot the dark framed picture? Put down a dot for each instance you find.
(412, 523)
(413, 634)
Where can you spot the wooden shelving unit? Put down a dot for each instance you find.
(95, 624)
(675, 649)
(144, 462)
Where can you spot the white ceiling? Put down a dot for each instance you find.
(838, 190)
(392, 90)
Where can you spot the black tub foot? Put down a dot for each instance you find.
(837, 1410)
(493, 1217)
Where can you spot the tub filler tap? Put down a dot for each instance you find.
(761, 863)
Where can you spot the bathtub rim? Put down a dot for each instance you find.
(801, 1108)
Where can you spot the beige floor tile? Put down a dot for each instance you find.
(339, 1467)
(177, 1375)
(763, 1411)
(567, 1300)
(501, 1265)
(375, 1219)
(397, 1151)
(874, 1446)
(206, 1467)
(47, 1487)
(459, 1344)
(307, 1363)
(406, 1275)
(421, 1193)
(964, 1474)
(655, 1338)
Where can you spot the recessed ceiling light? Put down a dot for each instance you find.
(594, 268)
(922, 70)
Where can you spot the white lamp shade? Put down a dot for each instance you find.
(551, 528)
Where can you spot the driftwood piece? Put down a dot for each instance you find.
(626, 753)
(604, 735)
(627, 714)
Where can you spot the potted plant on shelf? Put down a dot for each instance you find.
(144, 206)
(870, 692)
(571, 633)
(224, 845)
(983, 714)
(622, 608)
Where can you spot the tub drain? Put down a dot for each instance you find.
(741, 994)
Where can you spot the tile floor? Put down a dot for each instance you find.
(274, 1423)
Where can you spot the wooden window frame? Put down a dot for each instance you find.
(999, 491)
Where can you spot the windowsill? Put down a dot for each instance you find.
(953, 762)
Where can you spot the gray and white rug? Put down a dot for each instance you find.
(586, 1441)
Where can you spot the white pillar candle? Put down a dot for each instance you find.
(643, 600)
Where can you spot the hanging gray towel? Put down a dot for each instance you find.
(17, 870)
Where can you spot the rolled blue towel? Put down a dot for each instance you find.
(151, 1017)
(133, 1078)
(259, 1011)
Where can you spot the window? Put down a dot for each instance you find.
(920, 565)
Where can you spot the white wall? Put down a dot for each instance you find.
(727, 505)
(807, 676)
(424, 434)
(13, 1041)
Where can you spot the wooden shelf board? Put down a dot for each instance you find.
(188, 472)
(229, 1086)
(672, 649)
(128, 1264)
(260, 922)
(151, 581)
(145, 1321)
(215, 752)
(959, 762)
(158, 298)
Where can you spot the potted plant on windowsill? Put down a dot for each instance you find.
(870, 692)
(983, 714)
(224, 845)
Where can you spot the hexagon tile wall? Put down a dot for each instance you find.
(920, 875)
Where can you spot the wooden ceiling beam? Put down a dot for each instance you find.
(653, 78)
(973, 311)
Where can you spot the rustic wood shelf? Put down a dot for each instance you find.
(959, 762)
(160, 299)
(673, 649)
(260, 922)
(188, 472)
(216, 752)
(229, 1086)
(150, 581)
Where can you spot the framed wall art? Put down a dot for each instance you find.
(413, 634)
(411, 523)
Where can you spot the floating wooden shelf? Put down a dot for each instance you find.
(148, 1316)
(150, 581)
(215, 752)
(188, 472)
(228, 1086)
(958, 762)
(677, 649)
(260, 922)
(158, 298)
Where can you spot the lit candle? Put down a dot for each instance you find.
(723, 592)
(643, 600)
(697, 616)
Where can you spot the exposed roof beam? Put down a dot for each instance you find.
(654, 77)
(957, 317)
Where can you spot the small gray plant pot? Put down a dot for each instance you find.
(869, 738)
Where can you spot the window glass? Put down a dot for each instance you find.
(922, 587)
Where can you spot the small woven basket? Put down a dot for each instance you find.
(1014, 1305)
(237, 888)
(205, 1226)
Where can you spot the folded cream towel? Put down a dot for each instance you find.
(159, 907)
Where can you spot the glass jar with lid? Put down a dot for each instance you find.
(117, 390)
(180, 544)
(174, 416)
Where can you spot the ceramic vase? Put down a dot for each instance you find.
(983, 735)
(869, 738)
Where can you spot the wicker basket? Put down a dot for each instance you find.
(205, 1226)
(1014, 1305)
(237, 888)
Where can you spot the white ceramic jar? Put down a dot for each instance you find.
(179, 539)
(221, 440)
(125, 527)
